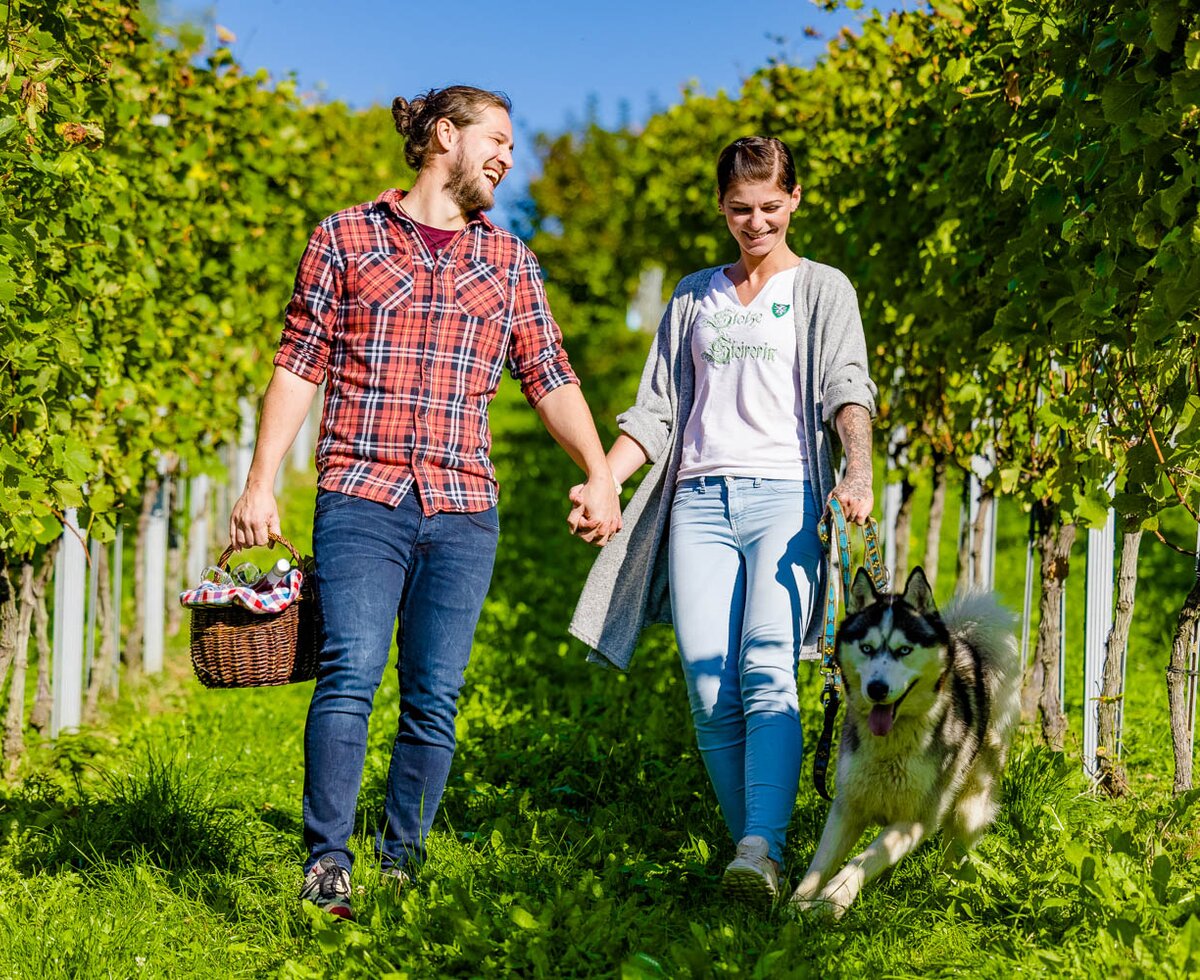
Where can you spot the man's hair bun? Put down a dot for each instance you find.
(461, 104)
(403, 113)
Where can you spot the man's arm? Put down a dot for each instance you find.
(566, 416)
(855, 490)
(285, 405)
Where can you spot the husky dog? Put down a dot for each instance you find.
(931, 702)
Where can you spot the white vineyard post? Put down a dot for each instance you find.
(1193, 670)
(981, 469)
(222, 501)
(1097, 625)
(154, 614)
(93, 589)
(198, 529)
(302, 445)
(244, 454)
(67, 672)
(306, 439)
(893, 491)
(891, 511)
(646, 308)
(1027, 609)
(1062, 648)
(989, 540)
(118, 576)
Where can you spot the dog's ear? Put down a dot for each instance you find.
(917, 592)
(862, 592)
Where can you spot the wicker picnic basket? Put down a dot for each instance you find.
(234, 647)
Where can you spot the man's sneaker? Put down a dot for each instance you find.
(751, 877)
(327, 886)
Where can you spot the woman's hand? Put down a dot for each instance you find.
(590, 517)
(596, 512)
(856, 497)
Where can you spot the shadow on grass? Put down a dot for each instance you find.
(285, 822)
(161, 813)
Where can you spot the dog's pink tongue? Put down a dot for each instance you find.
(880, 719)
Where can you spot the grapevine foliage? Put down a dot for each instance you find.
(154, 200)
(1012, 185)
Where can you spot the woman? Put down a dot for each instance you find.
(750, 363)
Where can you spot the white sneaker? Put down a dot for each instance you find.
(751, 877)
(327, 886)
(396, 879)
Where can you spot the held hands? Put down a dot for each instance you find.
(252, 517)
(596, 512)
(856, 497)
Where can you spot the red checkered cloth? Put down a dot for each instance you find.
(268, 601)
(412, 347)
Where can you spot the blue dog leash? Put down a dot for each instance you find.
(835, 539)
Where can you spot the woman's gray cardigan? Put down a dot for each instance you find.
(627, 587)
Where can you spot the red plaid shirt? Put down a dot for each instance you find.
(412, 348)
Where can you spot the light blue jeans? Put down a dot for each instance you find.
(744, 566)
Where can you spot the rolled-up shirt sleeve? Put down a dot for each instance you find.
(312, 312)
(536, 356)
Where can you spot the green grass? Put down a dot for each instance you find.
(578, 835)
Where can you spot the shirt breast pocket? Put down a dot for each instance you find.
(480, 290)
(383, 280)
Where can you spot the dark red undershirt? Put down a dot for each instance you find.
(435, 239)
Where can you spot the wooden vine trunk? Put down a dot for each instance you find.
(132, 651)
(1040, 693)
(14, 718)
(1177, 683)
(978, 530)
(962, 554)
(103, 667)
(937, 513)
(174, 553)
(1110, 773)
(43, 700)
(8, 621)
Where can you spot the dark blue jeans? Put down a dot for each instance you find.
(375, 565)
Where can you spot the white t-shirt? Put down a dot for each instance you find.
(745, 418)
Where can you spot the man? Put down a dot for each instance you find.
(408, 308)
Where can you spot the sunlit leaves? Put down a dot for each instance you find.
(151, 214)
(1013, 181)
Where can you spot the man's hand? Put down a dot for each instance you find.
(856, 497)
(596, 514)
(253, 516)
(284, 406)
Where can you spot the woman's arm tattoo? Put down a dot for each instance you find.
(854, 429)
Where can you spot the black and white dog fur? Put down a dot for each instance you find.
(931, 702)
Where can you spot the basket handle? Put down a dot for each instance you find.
(223, 561)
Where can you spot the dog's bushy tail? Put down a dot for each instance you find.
(977, 619)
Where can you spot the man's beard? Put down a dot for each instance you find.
(469, 193)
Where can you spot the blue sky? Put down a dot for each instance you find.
(626, 57)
